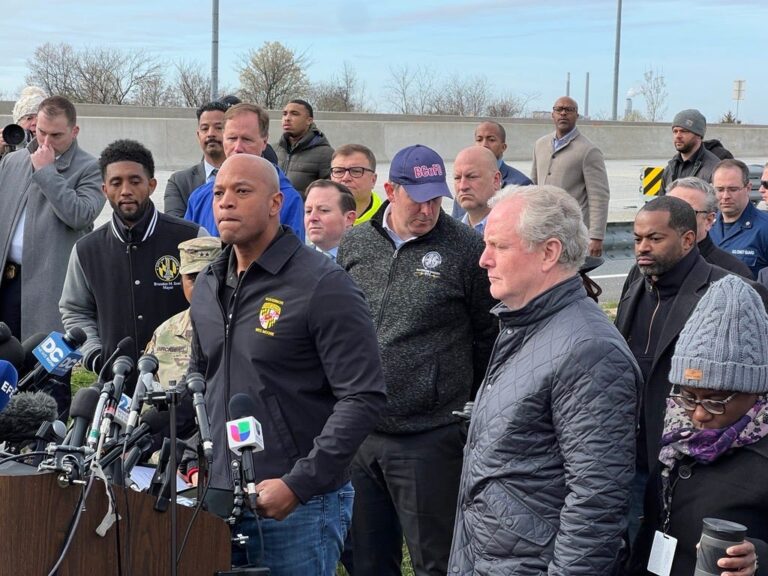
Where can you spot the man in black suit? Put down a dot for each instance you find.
(659, 295)
(701, 197)
(210, 131)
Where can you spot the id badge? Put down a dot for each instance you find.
(662, 554)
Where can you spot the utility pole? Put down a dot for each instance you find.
(586, 98)
(568, 84)
(215, 51)
(616, 63)
(738, 95)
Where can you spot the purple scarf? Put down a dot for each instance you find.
(680, 438)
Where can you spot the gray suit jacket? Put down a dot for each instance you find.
(180, 185)
(62, 201)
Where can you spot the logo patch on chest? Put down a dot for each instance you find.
(167, 268)
(430, 261)
(269, 315)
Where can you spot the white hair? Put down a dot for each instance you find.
(549, 212)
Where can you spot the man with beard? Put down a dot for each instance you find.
(123, 278)
(692, 158)
(210, 133)
(659, 295)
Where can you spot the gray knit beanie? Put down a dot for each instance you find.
(28, 102)
(724, 344)
(692, 120)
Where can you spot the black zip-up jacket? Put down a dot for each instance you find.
(299, 340)
(431, 303)
(700, 165)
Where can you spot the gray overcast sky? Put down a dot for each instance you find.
(522, 46)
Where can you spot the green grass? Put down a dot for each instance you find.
(405, 568)
(81, 378)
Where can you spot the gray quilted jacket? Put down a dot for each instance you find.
(551, 448)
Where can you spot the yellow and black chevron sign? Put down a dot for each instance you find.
(652, 180)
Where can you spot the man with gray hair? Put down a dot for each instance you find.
(550, 455)
(701, 197)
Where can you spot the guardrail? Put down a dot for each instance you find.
(619, 243)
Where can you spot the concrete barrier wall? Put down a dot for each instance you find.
(169, 133)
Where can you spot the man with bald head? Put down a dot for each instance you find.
(266, 321)
(476, 178)
(567, 159)
(493, 136)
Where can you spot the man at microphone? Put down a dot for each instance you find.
(279, 321)
(123, 279)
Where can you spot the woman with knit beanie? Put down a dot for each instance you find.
(714, 456)
(25, 114)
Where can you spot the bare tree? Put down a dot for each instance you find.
(654, 90)
(273, 75)
(192, 86)
(462, 96)
(95, 75)
(155, 91)
(343, 93)
(53, 68)
(411, 91)
(510, 105)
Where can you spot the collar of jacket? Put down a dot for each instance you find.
(312, 138)
(275, 257)
(377, 221)
(669, 283)
(140, 231)
(544, 305)
(693, 159)
(745, 221)
(63, 161)
(706, 246)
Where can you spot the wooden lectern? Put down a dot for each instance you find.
(35, 513)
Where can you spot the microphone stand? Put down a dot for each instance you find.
(170, 398)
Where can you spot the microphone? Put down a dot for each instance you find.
(244, 437)
(8, 379)
(147, 366)
(81, 412)
(196, 385)
(125, 345)
(24, 414)
(122, 367)
(11, 349)
(152, 422)
(57, 354)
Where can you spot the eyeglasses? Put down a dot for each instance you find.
(566, 109)
(697, 212)
(354, 171)
(729, 189)
(715, 407)
(764, 183)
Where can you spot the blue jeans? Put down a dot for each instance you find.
(307, 543)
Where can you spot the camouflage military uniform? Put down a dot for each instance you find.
(172, 344)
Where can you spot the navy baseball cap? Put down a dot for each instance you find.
(421, 171)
